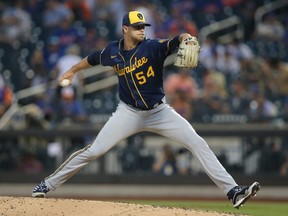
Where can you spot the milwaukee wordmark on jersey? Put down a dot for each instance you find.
(139, 70)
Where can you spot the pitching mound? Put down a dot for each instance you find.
(18, 206)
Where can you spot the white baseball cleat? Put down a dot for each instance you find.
(239, 195)
(40, 190)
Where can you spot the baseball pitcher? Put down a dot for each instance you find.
(138, 62)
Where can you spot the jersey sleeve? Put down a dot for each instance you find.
(100, 57)
(167, 45)
(105, 55)
(94, 58)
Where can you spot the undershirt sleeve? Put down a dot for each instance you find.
(94, 58)
(173, 44)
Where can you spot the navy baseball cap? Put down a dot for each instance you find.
(134, 18)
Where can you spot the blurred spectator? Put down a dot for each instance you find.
(253, 144)
(181, 89)
(69, 110)
(88, 43)
(38, 69)
(207, 52)
(246, 58)
(182, 104)
(177, 22)
(214, 83)
(90, 3)
(213, 95)
(213, 52)
(207, 6)
(52, 54)
(228, 64)
(252, 72)
(270, 28)
(186, 6)
(92, 42)
(148, 9)
(166, 163)
(240, 50)
(15, 32)
(247, 13)
(54, 13)
(118, 8)
(276, 76)
(35, 117)
(64, 63)
(183, 81)
(262, 109)
(183, 160)
(6, 96)
(100, 43)
(160, 28)
(80, 9)
(239, 99)
(43, 102)
(66, 34)
(35, 8)
(15, 23)
(227, 59)
(102, 15)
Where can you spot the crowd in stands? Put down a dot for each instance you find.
(246, 77)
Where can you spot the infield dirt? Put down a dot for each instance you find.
(19, 206)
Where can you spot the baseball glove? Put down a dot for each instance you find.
(187, 55)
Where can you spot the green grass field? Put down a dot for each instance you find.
(250, 208)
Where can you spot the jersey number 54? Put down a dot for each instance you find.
(142, 77)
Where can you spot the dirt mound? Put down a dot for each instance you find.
(18, 206)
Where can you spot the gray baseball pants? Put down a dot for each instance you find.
(126, 121)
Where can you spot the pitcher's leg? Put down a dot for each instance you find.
(170, 124)
(122, 124)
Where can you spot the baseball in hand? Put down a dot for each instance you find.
(65, 82)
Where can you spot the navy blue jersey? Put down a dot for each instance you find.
(140, 70)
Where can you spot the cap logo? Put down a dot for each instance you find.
(134, 18)
(140, 16)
